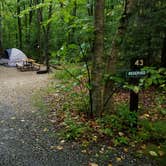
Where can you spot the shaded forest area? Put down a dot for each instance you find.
(113, 59)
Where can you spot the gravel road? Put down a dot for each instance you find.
(24, 139)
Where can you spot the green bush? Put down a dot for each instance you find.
(123, 121)
(127, 118)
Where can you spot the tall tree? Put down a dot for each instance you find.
(97, 66)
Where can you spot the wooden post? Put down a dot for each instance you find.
(134, 97)
(135, 65)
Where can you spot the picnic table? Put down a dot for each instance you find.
(28, 65)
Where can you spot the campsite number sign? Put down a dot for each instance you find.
(134, 75)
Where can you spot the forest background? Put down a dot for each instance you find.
(103, 40)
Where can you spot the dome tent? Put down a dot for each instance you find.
(12, 56)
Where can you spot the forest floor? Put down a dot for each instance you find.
(28, 139)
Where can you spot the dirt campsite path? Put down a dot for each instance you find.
(24, 140)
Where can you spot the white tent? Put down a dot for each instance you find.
(13, 56)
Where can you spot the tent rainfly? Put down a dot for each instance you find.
(12, 56)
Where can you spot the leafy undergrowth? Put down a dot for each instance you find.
(143, 132)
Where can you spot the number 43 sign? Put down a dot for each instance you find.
(139, 62)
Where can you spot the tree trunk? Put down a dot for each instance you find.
(112, 58)
(38, 36)
(163, 53)
(97, 61)
(29, 22)
(47, 36)
(19, 25)
(0, 25)
(90, 7)
(72, 31)
(1, 47)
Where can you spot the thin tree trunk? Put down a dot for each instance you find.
(19, 25)
(29, 22)
(71, 33)
(0, 23)
(38, 36)
(90, 7)
(26, 29)
(47, 36)
(1, 40)
(112, 58)
(163, 53)
(97, 66)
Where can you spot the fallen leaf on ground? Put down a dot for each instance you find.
(125, 150)
(84, 151)
(153, 153)
(45, 130)
(62, 141)
(13, 118)
(121, 134)
(93, 164)
(109, 164)
(161, 153)
(143, 146)
(59, 147)
(102, 150)
(118, 159)
(56, 147)
(53, 120)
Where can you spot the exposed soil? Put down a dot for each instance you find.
(26, 138)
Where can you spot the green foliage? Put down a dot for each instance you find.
(160, 101)
(108, 124)
(121, 141)
(70, 72)
(73, 129)
(153, 76)
(134, 88)
(74, 83)
(156, 77)
(159, 151)
(155, 131)
(119, 124)
(128, 118)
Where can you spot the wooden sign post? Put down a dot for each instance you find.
(134, 76)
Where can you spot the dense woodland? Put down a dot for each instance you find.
(103, 38)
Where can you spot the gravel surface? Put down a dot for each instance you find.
(24, 139)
